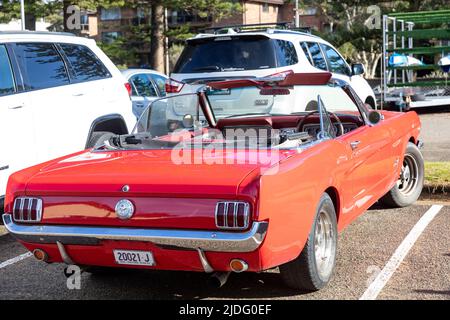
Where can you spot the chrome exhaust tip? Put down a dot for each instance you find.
(40, 255)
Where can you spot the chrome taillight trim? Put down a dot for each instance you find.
(235, 204)
(19, 203)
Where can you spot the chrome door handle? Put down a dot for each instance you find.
(78, 94)
(354, 144)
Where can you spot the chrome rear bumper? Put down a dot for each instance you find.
(177, 239)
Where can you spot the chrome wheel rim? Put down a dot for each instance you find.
(409, 175)
(324, 245)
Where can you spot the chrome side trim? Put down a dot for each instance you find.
(220, 241)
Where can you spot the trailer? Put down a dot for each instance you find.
(402, 88)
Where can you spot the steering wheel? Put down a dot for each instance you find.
(331, 114)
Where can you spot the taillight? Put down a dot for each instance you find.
(27, 209)
(173, 86)
(278, 76)
(232, 215)
(128, 87)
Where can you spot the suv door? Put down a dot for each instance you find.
(16, 124)
(93, 90)
(46, 83)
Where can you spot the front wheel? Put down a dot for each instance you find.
(313, 268)
(409, 185)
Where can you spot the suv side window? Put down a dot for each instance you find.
(160, 83)
(317, 56)
(84, 63)
(6, 75)
(285, 52)
(143, 85)
(336, 63)
(41, 65)
(305, 49)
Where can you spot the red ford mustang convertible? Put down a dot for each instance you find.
(244, 175)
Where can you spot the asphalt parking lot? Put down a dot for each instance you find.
(365, 248)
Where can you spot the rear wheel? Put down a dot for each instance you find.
(313, 268)
(410, 183)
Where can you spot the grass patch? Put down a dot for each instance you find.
(437, 176)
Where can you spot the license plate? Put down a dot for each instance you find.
(136, 258)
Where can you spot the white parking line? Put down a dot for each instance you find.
(394, 262)
(3, 231)
(14, 260)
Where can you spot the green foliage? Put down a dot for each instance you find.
(174, 53)
(120, 52)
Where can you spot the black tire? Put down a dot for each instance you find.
(404, 194)
(303, 273)
(98, 136)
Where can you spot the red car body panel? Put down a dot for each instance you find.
(82, 189)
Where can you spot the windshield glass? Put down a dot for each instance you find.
(278, 118)
(252, 101)
(227, 54)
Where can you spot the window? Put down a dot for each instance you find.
(110, 14)
(110, 37)
(306, 51)
(317, 56)
(286, 53)
(41, 65)
(336, 63)
(6, 75)
(84, 63)
(160, 82)
(227, 54)
(144, 87)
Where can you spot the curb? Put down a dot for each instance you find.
(436, 189)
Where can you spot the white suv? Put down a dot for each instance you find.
(58, 94)
(208, 57)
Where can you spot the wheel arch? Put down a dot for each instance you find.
(334, 195)
(114, 123)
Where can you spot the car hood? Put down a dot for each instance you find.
(145, 172)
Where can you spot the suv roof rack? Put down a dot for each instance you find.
(38, 33)
(280, 27)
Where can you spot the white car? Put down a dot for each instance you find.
(274, 52)
(58, 94)
(146, 86)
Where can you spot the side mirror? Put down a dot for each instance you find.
(375, 117)
(358, 69)
(188, 121)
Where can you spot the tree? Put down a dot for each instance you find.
(351, 33)
(10, 9)
(217, 9)
(157, 36)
